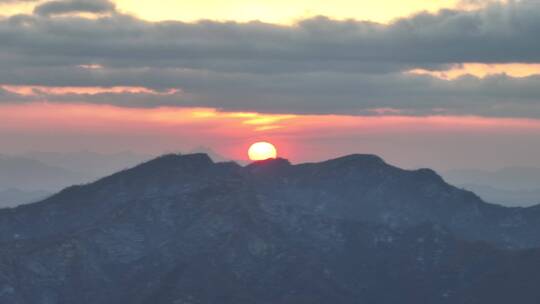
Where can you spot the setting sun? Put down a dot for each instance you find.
(262, 151)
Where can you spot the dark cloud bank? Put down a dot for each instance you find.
(318, 65)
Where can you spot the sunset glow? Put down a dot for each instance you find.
(317, 79)
(279, 11)
(48, 126)
(482, 70)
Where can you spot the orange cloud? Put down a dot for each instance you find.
(482, 70)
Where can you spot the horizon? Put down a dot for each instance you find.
(508, 186)
(218, 157)
(150, 83)
(450, 85)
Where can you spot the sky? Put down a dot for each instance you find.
(444, 84)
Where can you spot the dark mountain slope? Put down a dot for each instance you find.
(363, 187)
(181, 229)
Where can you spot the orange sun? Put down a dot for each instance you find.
(261, 151)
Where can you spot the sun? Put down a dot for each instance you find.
(261, 151)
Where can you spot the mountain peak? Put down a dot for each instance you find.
(176, 159)
(356, 160)
(185, 163)
(357, 157)
(429, 174)
(271, 162)
(270, 165)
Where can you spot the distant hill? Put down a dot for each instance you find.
(32, 175)
(513, 186)
(13, 197)
(505, 197)
(92, 164)
(511, 178)
(37, 173)
(183, 229)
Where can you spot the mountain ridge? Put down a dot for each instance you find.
(349, 177)
(183, 229)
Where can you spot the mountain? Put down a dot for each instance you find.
(183, 229)
(211, 153)
(34, 175)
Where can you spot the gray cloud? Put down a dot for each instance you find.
(316, 66)
(74, 6)
(314, 93)
(498, 33)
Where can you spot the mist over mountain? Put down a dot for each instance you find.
(33, 176)
(524, 197)
(13, 197)
(511, 186)
(30, 174)
(183, 229)
(92, 164)
(510, 178)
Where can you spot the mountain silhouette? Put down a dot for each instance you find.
(183, 229)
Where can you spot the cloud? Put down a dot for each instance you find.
(496, 34)
(318, 93)
(318, 65)
(74, 6)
